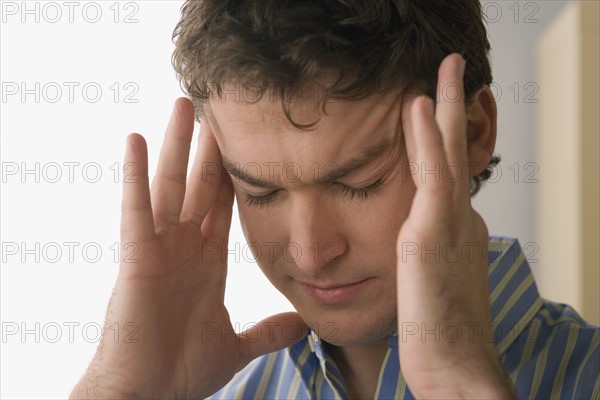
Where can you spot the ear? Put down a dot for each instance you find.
(481, 129)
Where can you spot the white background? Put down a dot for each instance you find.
(89, 131)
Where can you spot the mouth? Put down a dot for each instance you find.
(335, 292)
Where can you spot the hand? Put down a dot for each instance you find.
(170, 288)
(443, 297)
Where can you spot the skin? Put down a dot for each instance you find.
(175, 289)
(323, 236)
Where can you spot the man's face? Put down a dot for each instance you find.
(325, 239)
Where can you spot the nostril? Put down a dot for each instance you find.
(329, 252)
(335, 259)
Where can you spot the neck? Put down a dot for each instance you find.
(359, 365)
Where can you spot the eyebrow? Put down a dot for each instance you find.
(337, 172)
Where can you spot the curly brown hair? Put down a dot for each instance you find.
(373, 46)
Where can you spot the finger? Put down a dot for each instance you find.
(451, 118)
(137, 223)
(271, 334)
(424, 146)
(218, 221)
(168, 187)
(205, 178)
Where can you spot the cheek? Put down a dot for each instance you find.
(389, 209)
(257, 227)
(262, 231)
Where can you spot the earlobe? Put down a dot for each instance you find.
(481, 129)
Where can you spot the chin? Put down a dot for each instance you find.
(350, 327)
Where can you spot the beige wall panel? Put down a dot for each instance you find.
(567, 150)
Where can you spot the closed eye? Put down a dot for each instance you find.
(360, 193)
(257, 201)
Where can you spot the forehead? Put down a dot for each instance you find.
(260, 132)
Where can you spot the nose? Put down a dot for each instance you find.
(316, 236)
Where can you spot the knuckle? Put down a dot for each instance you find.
(177, 178)
(194, 218)
(170, 218)
(130, 236)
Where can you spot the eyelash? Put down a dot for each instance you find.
(362, 193)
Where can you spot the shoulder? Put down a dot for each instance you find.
(556, 355)
(547, 348)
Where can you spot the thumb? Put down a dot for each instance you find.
(269, 335)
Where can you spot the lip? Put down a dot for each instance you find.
(335, 293)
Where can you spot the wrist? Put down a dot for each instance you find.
(99, 383)
(95, 388)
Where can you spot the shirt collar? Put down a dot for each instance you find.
(514, 297)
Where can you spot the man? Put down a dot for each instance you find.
(357, 206)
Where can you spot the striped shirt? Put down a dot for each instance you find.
(546, 348)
